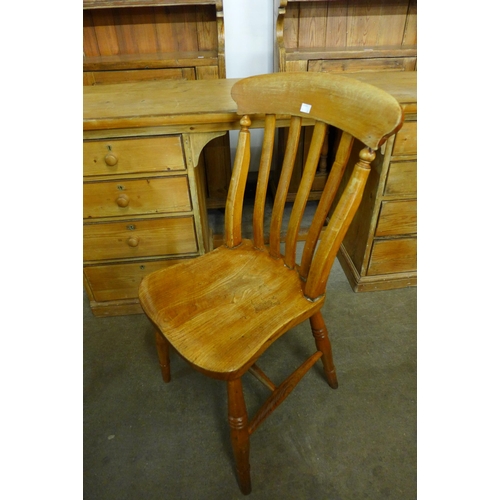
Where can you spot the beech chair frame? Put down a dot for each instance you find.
(247, 294)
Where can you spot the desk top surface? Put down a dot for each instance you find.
(169, 102)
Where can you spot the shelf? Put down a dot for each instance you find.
(150, 61)
(350, 52)
(106, 4)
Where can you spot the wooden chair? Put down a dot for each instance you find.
(222, 310)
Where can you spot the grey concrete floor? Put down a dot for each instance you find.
(144, 439)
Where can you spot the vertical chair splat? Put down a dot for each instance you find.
(303, 193)
(263, 180)
(283, 185)
(326, 200)
(324, 156)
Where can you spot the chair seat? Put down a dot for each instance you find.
(220, 311)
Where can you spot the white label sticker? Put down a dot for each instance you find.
(305, 108)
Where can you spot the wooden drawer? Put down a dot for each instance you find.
(136, 197)
(362, 65)
(125, 156)
(121, 281)
(393, 256)
(401, 179)
(139, 238)
(406, 140)
(397, 217)
(139, 75)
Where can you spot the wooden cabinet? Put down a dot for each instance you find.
(342, 36)
(144, 188)
(380, 248)
(153, 40)
(347, 36)
(141, 213)
(127, 40)
(375, 41)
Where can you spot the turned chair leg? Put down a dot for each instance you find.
(320, 334)
(162, 347)
(240, 436)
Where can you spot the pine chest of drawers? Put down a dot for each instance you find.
(379, 251)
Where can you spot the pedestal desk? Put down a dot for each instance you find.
(144, 193)
(144, 198)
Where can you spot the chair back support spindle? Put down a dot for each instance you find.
(329, 192)
(236, 192)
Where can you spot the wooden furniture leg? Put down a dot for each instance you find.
(162, 347)
(320, 334)
(240, 437)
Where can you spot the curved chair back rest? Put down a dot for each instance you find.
(358, 110)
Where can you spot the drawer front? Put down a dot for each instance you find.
(136, 197)
(393, 256)
(362, 65)
(121, 281)
(124, 156)
(138, 75)
(139, 238)
(402, 179)
(406, 140)
(397, 217)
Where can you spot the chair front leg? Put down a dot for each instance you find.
(240, 437)
(320, 334)
(162, 347)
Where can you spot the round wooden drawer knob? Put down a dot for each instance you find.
(132, 242)
(122, 200)
(110, 160)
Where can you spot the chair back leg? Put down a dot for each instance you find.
(320, 334)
